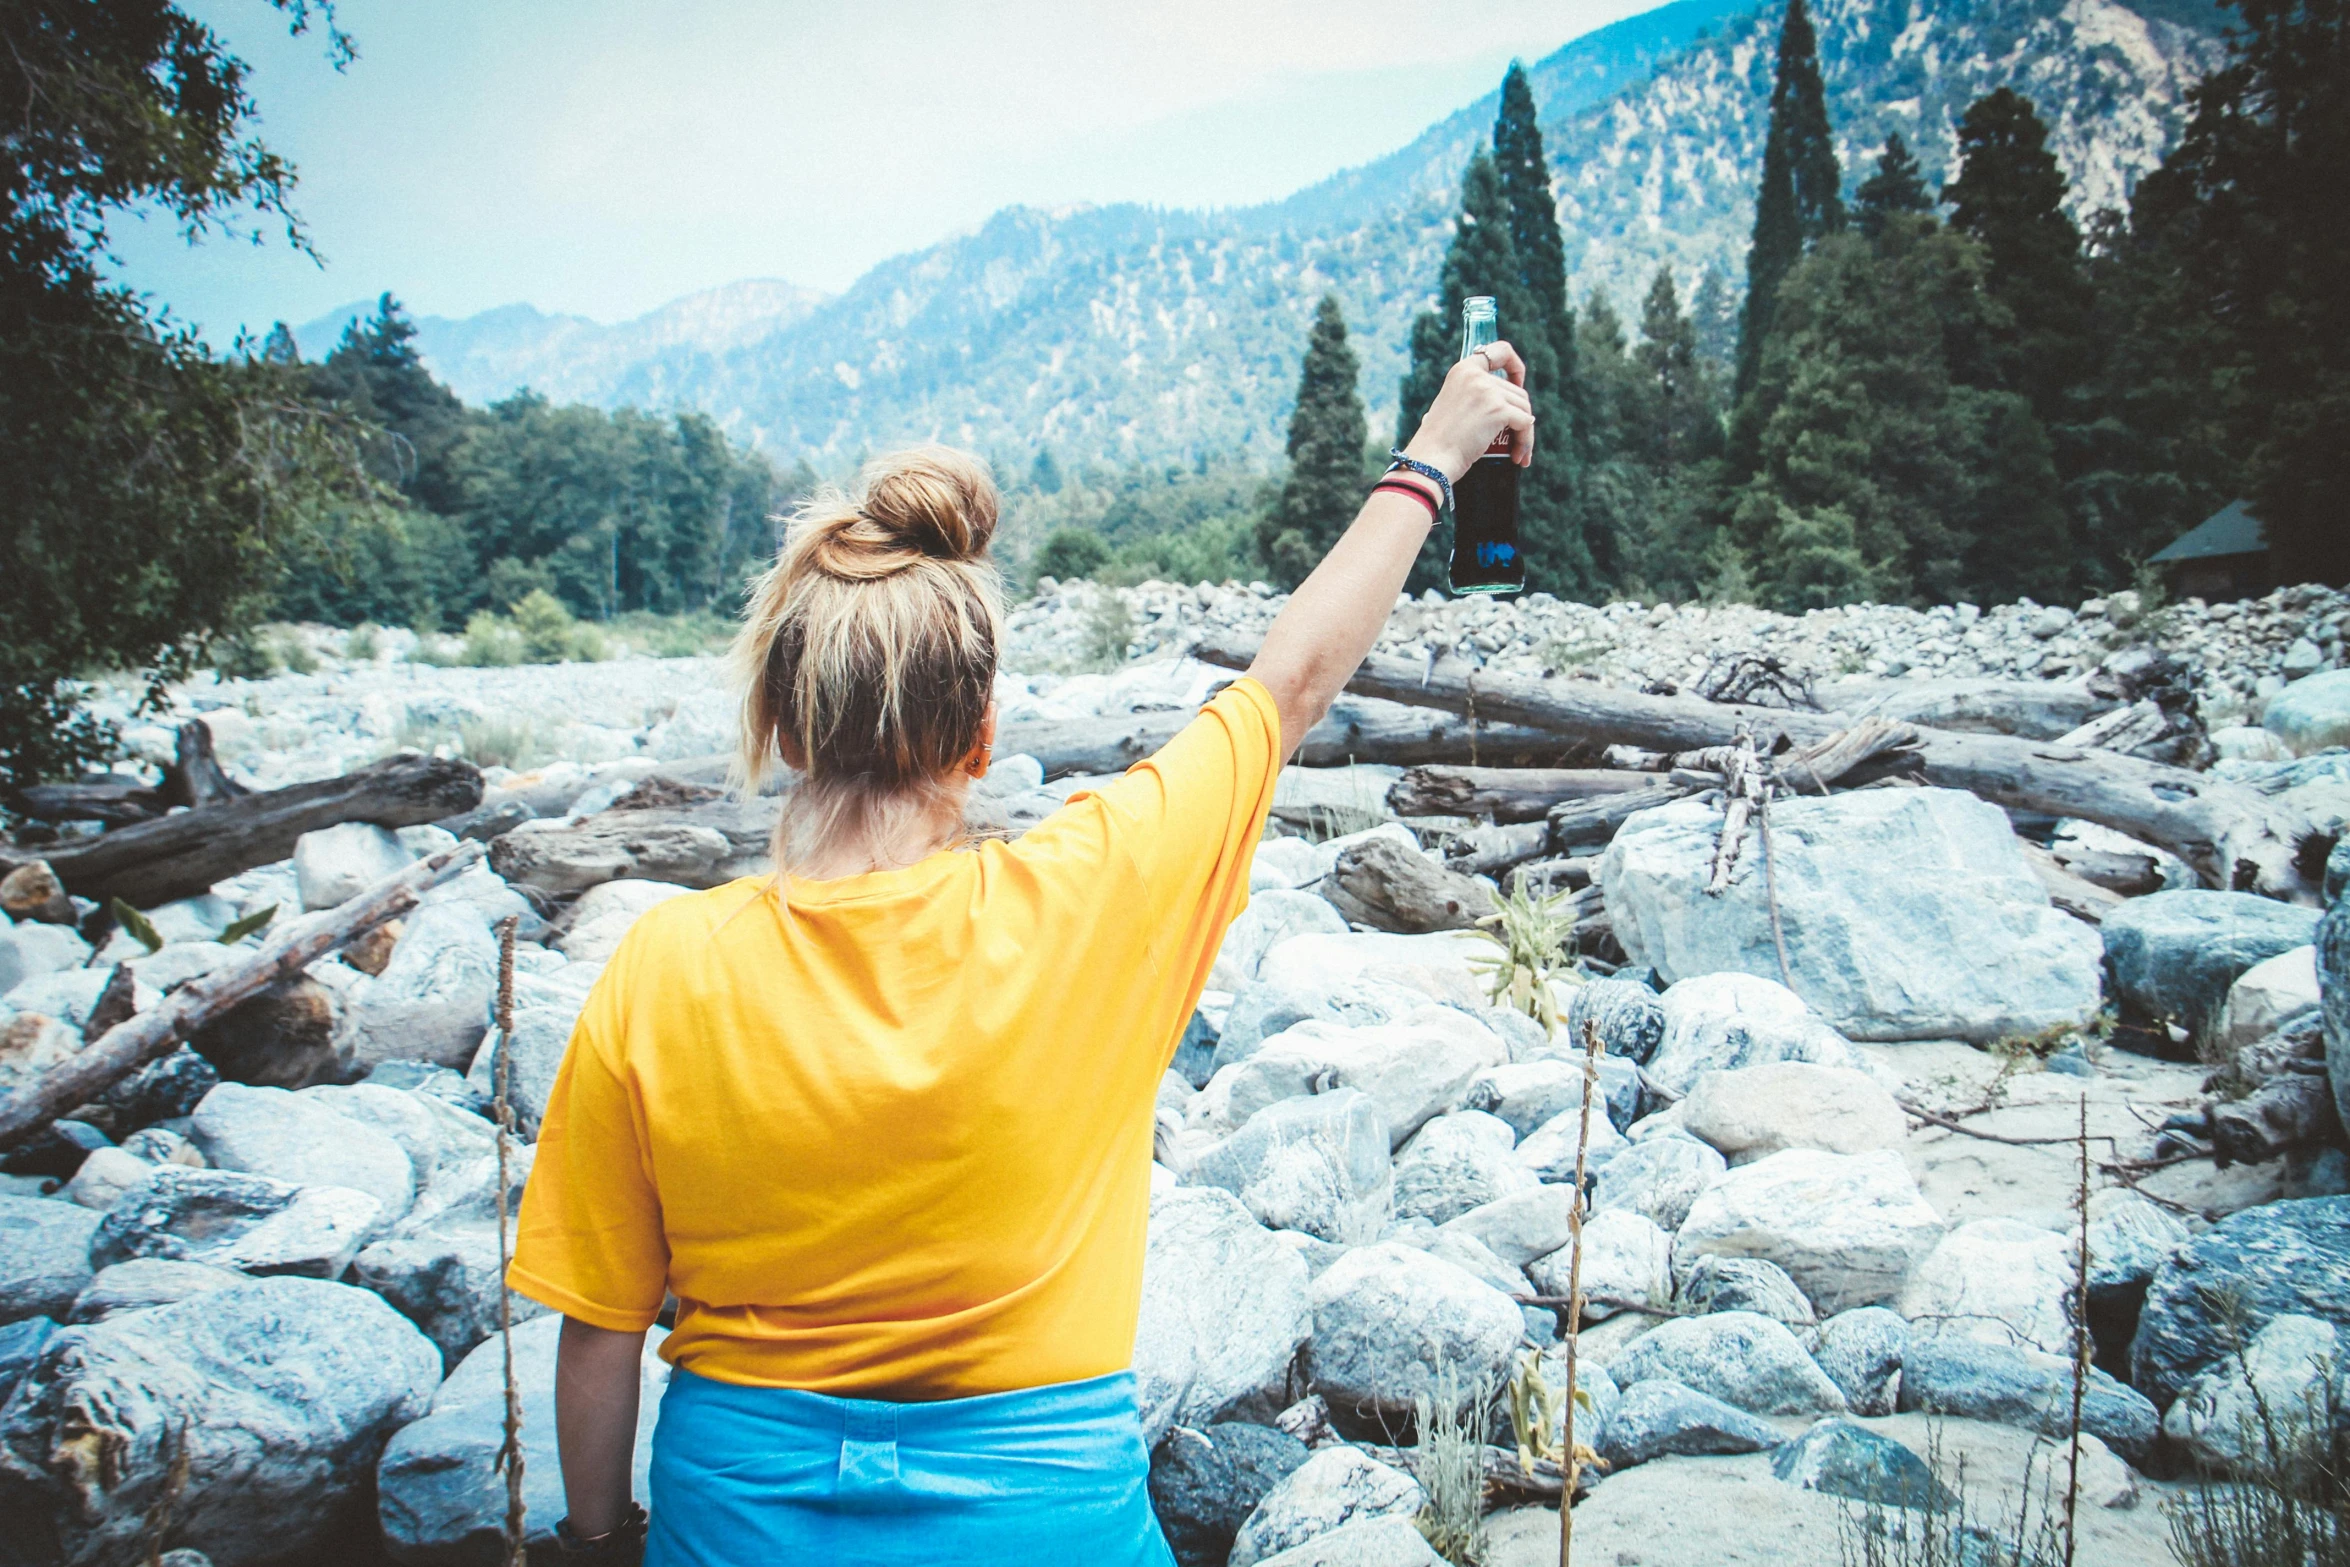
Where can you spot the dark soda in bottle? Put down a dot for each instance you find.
(1485, 553)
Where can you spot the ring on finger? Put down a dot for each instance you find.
(1481, 359)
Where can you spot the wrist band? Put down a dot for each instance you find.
(1417, 492)
(1414, 465)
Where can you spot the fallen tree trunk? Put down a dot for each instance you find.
(2231, 835)
(1507, 794)
(153, 1034)
(699, 845)
(1357, 729)
(2032, 709)
(181, 856)
(1380, 883)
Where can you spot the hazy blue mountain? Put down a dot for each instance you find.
(1127, 333)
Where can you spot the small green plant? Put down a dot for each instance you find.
(549, 633)
(247, 925)
(1109, 627)
(1572, 653)
(142, 929)
(293, 650)
(491, 642)
(244, 657)
(1534, 935)
(363, 644)
(1451, 1468)
(498, 742)
(1071, 553)
(2288, 1502)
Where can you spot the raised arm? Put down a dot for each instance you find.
(1334, 617)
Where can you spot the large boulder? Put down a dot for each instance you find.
(2333, 984)
(1659, 1177)
(1224, 1309)
(1204, 1484)
(604, 914)
(1272, 917)
(1626, 1259)
(1948, 1374)
(335, 864)
(2290, 1380)
(1846, 1227)
(1719, 1022)
(1750, 1112)
(1412, 1070)
(1549, 1151)
(1268, 1007)
(1522, 1226)
(2229, 1281)
(1526, 1094)
(1744, 1359)
(1907, 913)
(546, 1010)
(249, 1223)
(44, 1256)
(287, 1036)
(432, 1001)
(30, 950)
(302, 1141)
(1998, 1280)
(146, 1282)
(2311, 714)
(1455, 1163)
(1629, 1018)
(2173, 955)
(440, 1495)
(1316, 1164)
(1394, 1541)
(1861, 1351)
(440, 1265)
(1748, 1284)
(1389, 1321)
(1657, 1419)
(2267, 997)
(1337, 1486)
(1442, 966)
(276, 1396)
(1840, 1458)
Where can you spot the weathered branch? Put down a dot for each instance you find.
(182, 855)
(152, 1034)
(1507, 794)
(1357, 729)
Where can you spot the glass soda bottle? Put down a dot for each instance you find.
(1485, 553)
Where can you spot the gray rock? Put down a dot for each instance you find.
(2000, 1280)
(277, 1394)
(1455, 1163)
(230, 1220)
(1335, 1487)
(1527, 1094)
(21, 1343)
(1660, 1178)
(30, 1044)
(1413, 1069)
(300, 1140)
(1840, 1458)
(439, 1495)
(1951, 1375)
(436, 1135)
(1846, 1227)
(439, 1266)
(288, 1036)
(1387, 1319)
(1655, 1419)
(604, 914)
(1317, 1164)
(1630, 1018)
(541, 1035)
(1960, 942)
(2267, 998)
(2289, 1256)
(146, 1282)
(1224, 1308)
(1262, 1010)
(1272, 917)
(2173, 955)
(1747, 1284)
(30, 950)
(1522, 1226)
(2290, 1380)
(161, 1090)
(1205, 1483)
(1717, 1022)
(1372, 1542)
(1549, 1150)
(335, 864)
(2128, 1239)
(431, 1003)
(44, 1256)
(1861, 1351)
(1749, 1113)
(2312, 714)
(1740, 1357)
(1625, 1258)
(2333, 982)
(69, 994)
(104, 1176)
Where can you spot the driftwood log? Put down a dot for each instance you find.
(1357, 729)
(155, 1033)
(702, 844)
(1383, 884)
(2233, 836)
(182, 855)
(194, 778)
(1485, 849)
(1507, 794)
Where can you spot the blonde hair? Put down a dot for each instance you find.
(868, 650)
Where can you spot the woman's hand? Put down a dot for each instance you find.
(1473, 407)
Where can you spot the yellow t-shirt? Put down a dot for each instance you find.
(895, 1141)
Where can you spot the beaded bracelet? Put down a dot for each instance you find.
(1414, 465)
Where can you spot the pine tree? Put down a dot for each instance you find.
(1800, 200)
(279, 348)
(1327, 437)
(2009, 195)
(377, 370)
(1667, 357)
(1897, 186)
(1044, 474)
(1715, 315)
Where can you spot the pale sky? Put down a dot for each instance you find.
(605, 156)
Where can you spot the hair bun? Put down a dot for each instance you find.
(933, 499)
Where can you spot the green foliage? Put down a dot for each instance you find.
(1327, 434)
(247, 925)
(1071, 553)
(1800, 201)
(142, 929)
(1109, 629)
(1653, 423)
(1535, 936)
(498, 742)
(1896, 187)
(2009, 195)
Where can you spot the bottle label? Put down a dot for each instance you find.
(1501, 446)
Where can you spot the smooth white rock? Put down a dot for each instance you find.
(1847, 1227)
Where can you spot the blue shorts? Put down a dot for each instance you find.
(757, 1477)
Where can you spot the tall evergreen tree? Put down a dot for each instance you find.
(377, 371)
(1680, 426)
(2249, 210)
(2009, 195)
(1714, 313)
(1327, 437)
(1897, 186)
(1800, 200)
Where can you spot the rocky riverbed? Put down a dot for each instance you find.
(248, 1300)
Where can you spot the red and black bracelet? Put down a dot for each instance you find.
(1414, 489)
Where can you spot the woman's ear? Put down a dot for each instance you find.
(983, 754)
